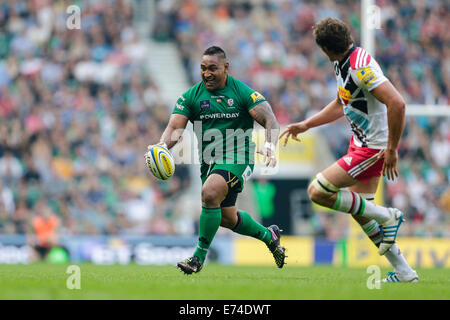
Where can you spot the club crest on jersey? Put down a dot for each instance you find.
(366, 76)
(256, 96)
(205, 104)
(230, 102)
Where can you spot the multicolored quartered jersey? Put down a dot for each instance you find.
(358, 74)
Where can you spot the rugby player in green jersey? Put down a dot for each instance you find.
(225, 110)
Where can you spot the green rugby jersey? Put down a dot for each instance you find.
(226, 124)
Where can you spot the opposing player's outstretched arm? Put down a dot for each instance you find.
(174, 130)
(330, 113)
(387, 94)
(263, 114)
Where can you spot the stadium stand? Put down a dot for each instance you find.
(77, 109)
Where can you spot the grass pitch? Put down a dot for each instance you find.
(214, 282)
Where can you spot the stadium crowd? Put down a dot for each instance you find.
(270, 47)
(77, 109)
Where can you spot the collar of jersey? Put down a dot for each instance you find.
(345, 59)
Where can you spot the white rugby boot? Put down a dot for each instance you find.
(389, 230)
(398, 277)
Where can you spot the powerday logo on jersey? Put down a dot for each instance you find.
(256, 96)
(366, 76)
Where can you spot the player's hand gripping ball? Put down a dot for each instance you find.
(160, 162)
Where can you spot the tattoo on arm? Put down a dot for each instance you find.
(263, 114)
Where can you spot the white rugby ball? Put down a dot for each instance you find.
(160, 162)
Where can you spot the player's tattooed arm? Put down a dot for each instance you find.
(174, 130)
(263, 114)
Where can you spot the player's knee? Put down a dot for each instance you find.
(210, 197)
(315, 195)
(321, 190)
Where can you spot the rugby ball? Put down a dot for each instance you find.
(160, 162)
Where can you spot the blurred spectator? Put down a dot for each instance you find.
(10, 168)
(264, 193)
(45, 231)
(76, 112)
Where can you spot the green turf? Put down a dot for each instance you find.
(44, 281)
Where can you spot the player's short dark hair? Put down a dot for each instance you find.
(215, 50)
(333, 35)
